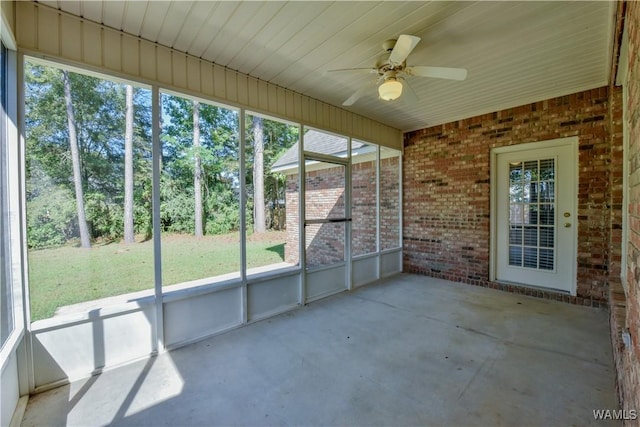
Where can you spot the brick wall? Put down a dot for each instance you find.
(389, 203)
(325, 199)
(292, 208)
(446, 190)
(625, 304)
(363, 209)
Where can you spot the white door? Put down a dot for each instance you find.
(535, 199)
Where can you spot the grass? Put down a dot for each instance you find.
(69, 275)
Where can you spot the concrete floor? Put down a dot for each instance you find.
(410, 350)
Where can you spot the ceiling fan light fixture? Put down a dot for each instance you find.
(389, 90)
(392, 69)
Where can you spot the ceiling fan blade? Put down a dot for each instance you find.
(403, 48)
(408, 94)
(437, 72)
(356, 95)
(360, 92)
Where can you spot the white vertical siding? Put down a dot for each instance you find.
(130, 55)
(91, 37)
(8, 24)
(69, 28)
(206, 79)
(148, 61)
(44, 31)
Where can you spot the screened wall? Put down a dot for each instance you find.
(173, 217)
(142, 207)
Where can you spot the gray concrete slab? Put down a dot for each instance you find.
(410, 350)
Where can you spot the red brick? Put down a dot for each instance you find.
(625, 314)
(446, 188)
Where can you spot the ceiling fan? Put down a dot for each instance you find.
(392, 69)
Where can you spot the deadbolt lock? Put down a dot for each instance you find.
(567, 214)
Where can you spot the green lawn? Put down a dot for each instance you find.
(69, 275)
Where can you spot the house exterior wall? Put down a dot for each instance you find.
(292, 219)
(446, 184)
(389, 203)
(363, 209)
(325, 199)
(625, 303)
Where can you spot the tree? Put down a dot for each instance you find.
(85, 241)
(219, 167)
(99, 111)
(259, 222)
(277, 138)
(197, 170)
(129, 234)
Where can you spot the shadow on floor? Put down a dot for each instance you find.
(410, 350)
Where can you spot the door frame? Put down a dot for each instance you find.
(493, 206)
(346, 263)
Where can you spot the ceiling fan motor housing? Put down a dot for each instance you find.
(390, 75)
(384, 66)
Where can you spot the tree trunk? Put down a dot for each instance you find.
(259, 223)
(197, 170)
(85, 242)
(129, 235)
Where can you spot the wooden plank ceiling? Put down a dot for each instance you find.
(515, 52)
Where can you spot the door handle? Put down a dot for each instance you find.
(567, 224)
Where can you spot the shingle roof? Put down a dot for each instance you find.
(317, 142)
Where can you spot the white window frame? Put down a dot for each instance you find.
(11, 153)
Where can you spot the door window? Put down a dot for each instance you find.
(532, 214)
